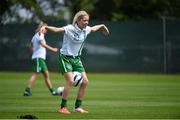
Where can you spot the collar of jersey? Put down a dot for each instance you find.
(79, 29)
(40, 33)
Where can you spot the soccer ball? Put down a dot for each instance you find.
(60, 90)
(78, 79)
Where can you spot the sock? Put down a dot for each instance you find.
(63, 103)
(27, 89)
(51, 90)
(78, 103)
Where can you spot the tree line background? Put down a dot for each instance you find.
(12, 11)
(144, 33)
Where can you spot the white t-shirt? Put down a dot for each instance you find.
(39, 50)
(73, 40)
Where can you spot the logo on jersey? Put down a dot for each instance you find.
(79, 37)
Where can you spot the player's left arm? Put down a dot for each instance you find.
(98, 27)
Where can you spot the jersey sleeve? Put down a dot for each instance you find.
(41, 37)
(67, 28)
(88, 30)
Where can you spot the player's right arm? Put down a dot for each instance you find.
(31, 47)
(54, 29)
(41, 42)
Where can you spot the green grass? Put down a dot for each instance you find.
(108, 96)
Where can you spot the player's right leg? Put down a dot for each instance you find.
(36, 69)
(69, 84)
(27, 91)
(66, 69)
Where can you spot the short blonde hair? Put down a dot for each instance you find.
(79, 15)
(41, 24)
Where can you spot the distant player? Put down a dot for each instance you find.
(69, 56)
(38, 47)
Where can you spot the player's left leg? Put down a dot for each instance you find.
(47, 80)
(80, 94)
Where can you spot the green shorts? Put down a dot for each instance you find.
(70, 64)
(39, 65)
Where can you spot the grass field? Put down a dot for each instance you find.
(109, 96)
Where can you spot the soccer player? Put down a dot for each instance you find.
(69, 56)
(38, 47)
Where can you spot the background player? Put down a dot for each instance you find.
(38, 47)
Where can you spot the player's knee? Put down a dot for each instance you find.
(46, 75)
(70, 83)
(85, 82)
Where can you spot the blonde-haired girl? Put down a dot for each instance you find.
(69, 56)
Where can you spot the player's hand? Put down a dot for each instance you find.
(55, 49)
(105, 30)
